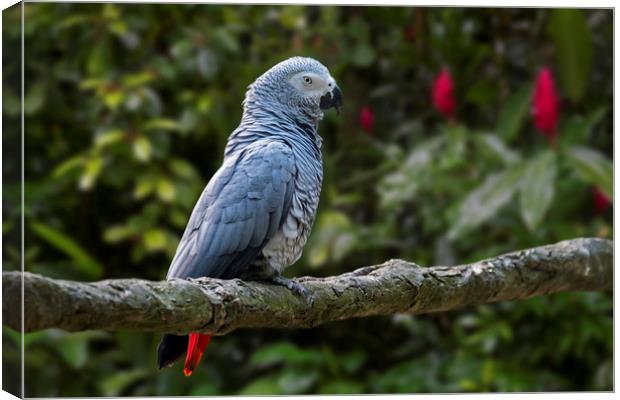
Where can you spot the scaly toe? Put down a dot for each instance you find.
(298, 288)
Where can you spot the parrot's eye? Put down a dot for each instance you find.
(307, 80)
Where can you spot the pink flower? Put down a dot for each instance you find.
(443, 94)
(367, 119)
(600, 200)
(545, 108)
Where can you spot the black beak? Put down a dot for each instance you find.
(332, 99)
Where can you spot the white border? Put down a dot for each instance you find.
(453, 3)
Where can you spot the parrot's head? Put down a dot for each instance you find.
(299, 84)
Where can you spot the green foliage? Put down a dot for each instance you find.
(127, 109)
(82, 261)
(593, 167)
(305, 370)
(513, 116)
(537, 189)
(573, 44)
(485, 201)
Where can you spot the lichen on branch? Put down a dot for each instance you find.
(220, 306)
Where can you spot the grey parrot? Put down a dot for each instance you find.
(255, 214)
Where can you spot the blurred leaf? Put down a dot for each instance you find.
(74, 351)
(83, 261)
(108, 137)
(593, 167)
(402, 185)
(513, 115)
(76, 19)
(482, 92)
(363, 55)
(498, 148)
(118, 27)
(205, 102)
(130, 39)
(99, 56)
(342, 245)
(111, 12)
(333, 237)
(178, 218)
(452, 154)
(573, 44)
(595, 116)
(537, 188)
(284, 352)
(70, 164)
(144, 187)
(262, 386)
(165, 190)
(116, 233)
(182, 168)
(485, 201)
(293, 17)
(223, 38)
(28, 338)
(154, 239)
(13, 335)
(578, 129)
(297, 381)
(162, 123)
(113, 385)
(142, 149)
(188, 121)
(575, 132)
(138, 79)
(113, 98)
(153, 100)
(206, 61)
(34, 99)
(93, 83)
(133, 102)
(352, 361)
(36, 337)
(92, 169)
(418, 375)
(318, 255)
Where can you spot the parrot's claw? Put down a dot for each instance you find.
(298, 288)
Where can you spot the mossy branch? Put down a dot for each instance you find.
(220, 306)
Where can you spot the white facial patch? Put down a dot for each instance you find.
(311, 83)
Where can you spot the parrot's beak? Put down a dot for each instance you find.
(332, 99)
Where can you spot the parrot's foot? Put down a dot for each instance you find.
(265, 273)
(298, 288)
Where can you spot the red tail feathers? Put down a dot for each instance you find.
(196, 346)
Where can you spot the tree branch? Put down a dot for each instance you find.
(221, 306)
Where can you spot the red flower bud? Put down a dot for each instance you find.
(367, 119)
(601, 201)
(443, 94)
(545, 108)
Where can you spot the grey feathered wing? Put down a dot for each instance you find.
(242, 207)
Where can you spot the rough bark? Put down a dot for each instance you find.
(220, 306)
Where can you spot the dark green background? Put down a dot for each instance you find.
(127, 110)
